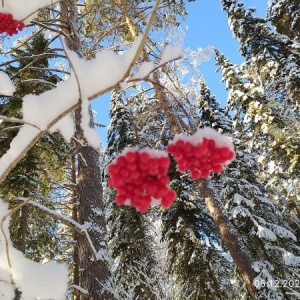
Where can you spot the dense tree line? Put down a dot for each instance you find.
(234, 235)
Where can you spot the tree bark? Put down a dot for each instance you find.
(94, 273)
(23, 225)
(230, 239)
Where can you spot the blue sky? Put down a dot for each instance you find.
(207, 26)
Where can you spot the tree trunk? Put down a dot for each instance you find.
(94, 274)
(230, 239)
(76, 282)
(23, 225)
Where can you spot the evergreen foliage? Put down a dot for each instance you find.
(129, 238)
(258, 194)
(263, 94)
(38, 172)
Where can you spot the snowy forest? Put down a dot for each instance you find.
(188, 199)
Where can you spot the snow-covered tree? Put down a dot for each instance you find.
(264, 89)
(39, 172)
(129, 238)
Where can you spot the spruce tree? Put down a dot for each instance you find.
(265, 89)
(129, 237)
(197, 258)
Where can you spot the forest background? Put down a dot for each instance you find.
(230, 234)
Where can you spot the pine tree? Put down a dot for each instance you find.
(129, 237)
(263, 229)
(284, 15)
(36, 175)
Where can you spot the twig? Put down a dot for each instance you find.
(65, 220)
(16, 120)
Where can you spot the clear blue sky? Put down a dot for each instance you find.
(207, 26)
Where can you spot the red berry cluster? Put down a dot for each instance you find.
(140, 178)
(9, 25)
(202, 155)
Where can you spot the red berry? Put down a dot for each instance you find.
(144, 157)
(120, 199)
(217, 169)
(205, 173)
(195, 174)
(144, 204)
(179, 144)
(130, 156)
(132, 166)
(163, 164)
(121, 161)
(116, 182)
(112, 169)
(164, 180)
(168, 199)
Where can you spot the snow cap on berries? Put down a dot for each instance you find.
(202, 153)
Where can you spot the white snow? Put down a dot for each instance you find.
(151, 152)
(41, 110)
(21, 141)
(21, 12)
(239, 199)
(65, 126)
(265, 233)
(32, 278)
(6, 86)
(89, 132)
(290, 259)
(171, 53)
(144, 70)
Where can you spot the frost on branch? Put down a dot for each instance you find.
(32, 279)
(140, 177)
(205, 151)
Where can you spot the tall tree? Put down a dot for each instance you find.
(265, 89)
(94, 271)
(32, 177)
(129, 237)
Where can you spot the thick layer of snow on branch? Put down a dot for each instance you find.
(65, 126)
(21, 141)
(41, 110)
(31, 278)
(6, 86)
(171, 53)
(24, 12)
(87, 79)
